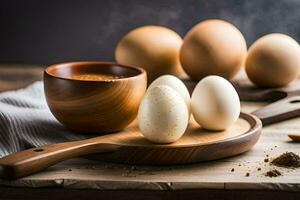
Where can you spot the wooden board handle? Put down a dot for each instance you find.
(284, 109)
(29, 161)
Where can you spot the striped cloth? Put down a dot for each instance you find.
(26, 121)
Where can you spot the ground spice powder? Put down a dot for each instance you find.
(287, 160)
(273, 173)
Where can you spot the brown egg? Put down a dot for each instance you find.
(155, 48)
(273, 60)
(213, 47)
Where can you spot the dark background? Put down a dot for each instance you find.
(44, 32)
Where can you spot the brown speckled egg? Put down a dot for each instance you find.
(155, 48)
(273, 60)
(163, 115)
(213, 47)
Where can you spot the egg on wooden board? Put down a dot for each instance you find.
(215, 103)
(176, 84)
(163, 115)
(213, 47)
(273, 60)
(155, 48)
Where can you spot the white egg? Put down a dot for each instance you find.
(163, 115)
(176, 84)
(215, 103)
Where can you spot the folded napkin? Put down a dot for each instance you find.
(26, 121)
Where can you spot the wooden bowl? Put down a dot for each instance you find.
(100, 106)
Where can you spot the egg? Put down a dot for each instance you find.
(155, 48)
(163, 115)
(213, 47)
(273, 60)
(176, 84)
(215, 103)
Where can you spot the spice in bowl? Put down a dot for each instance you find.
(95, 77)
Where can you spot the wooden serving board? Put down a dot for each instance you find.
(129, 146)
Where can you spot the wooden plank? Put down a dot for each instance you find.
(87, 174)
(62, 194)
(82, 173)
(18, 76)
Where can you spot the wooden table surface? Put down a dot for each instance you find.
(209, 179)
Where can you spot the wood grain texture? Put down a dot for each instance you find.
(281, 110)
(129, 146)
(94, 106)
(18, 76)
(81, 173)
(214, 176)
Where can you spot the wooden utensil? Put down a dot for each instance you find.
(249, 92)
(94, 105)
(295, 137)
(286, 105)
(129, 146)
